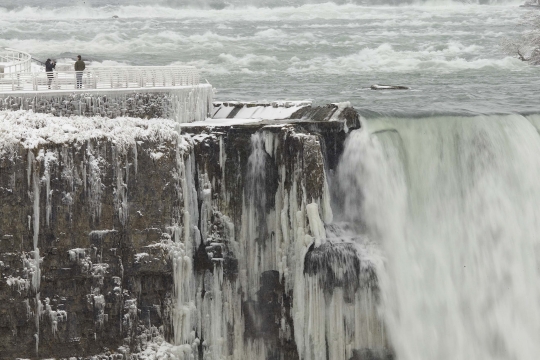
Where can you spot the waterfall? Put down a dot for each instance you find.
(454, 205)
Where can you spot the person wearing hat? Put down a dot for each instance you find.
(49, 67)
(79, 68)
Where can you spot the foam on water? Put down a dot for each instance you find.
(239, 12)
(448, 52)
(454, 203)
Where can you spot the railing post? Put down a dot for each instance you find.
(118, 77)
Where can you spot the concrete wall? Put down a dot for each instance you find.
(182, 104)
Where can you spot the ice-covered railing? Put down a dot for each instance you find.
(14, 61)
(126, 77)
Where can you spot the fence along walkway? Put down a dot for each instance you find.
(13, 61)
(102, 78)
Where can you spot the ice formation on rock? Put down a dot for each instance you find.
(181, 104)
(212, 243)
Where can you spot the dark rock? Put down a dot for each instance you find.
(389, 87)
(338, 264)
(263, 317)
(370, 354)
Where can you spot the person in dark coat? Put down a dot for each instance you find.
(49, 67)
(79, 68)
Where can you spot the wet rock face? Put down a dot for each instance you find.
(322, 261)
(264, 315)
(212, 240)
(368, 354)
(91, 267)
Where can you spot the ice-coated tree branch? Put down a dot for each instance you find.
(526, 46)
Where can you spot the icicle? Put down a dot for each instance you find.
(135, 158)
(315, 224)
(222, 154)
(222, 161)
(206, 208)
(181, 254)
(99, 308)
(326, 208)
(48, 158)
(94, 186)
(37, 316)
(30, 162)
(121, 191)
(18, 283)
(83, 170)
(54, 316)
(36, 338)
(36, 193)
(191, 105)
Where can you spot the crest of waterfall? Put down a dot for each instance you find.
(454, 205)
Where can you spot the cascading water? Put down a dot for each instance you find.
(454, 203)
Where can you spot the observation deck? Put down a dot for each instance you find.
(16, 75)
(144, 91)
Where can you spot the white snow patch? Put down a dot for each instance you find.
(222, 122)
(140, 256)
(19, 283)
(156, 155)
(35, 129)
(315, 224)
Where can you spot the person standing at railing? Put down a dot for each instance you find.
(49, 67)
(79, 68)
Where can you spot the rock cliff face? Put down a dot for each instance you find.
(126, 238)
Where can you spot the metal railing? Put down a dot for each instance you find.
(14, 61)
(101, 78)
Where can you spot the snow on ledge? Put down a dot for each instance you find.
(276, 110)
(221, 122)
(32, 130)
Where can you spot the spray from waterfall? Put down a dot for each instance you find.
(454, 205)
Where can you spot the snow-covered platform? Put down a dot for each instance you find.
(104, 78)
(17, 74)
(172, 92)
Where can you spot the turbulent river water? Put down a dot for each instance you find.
(447, 52)
(452, 199)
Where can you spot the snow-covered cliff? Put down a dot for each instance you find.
(124, 236)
